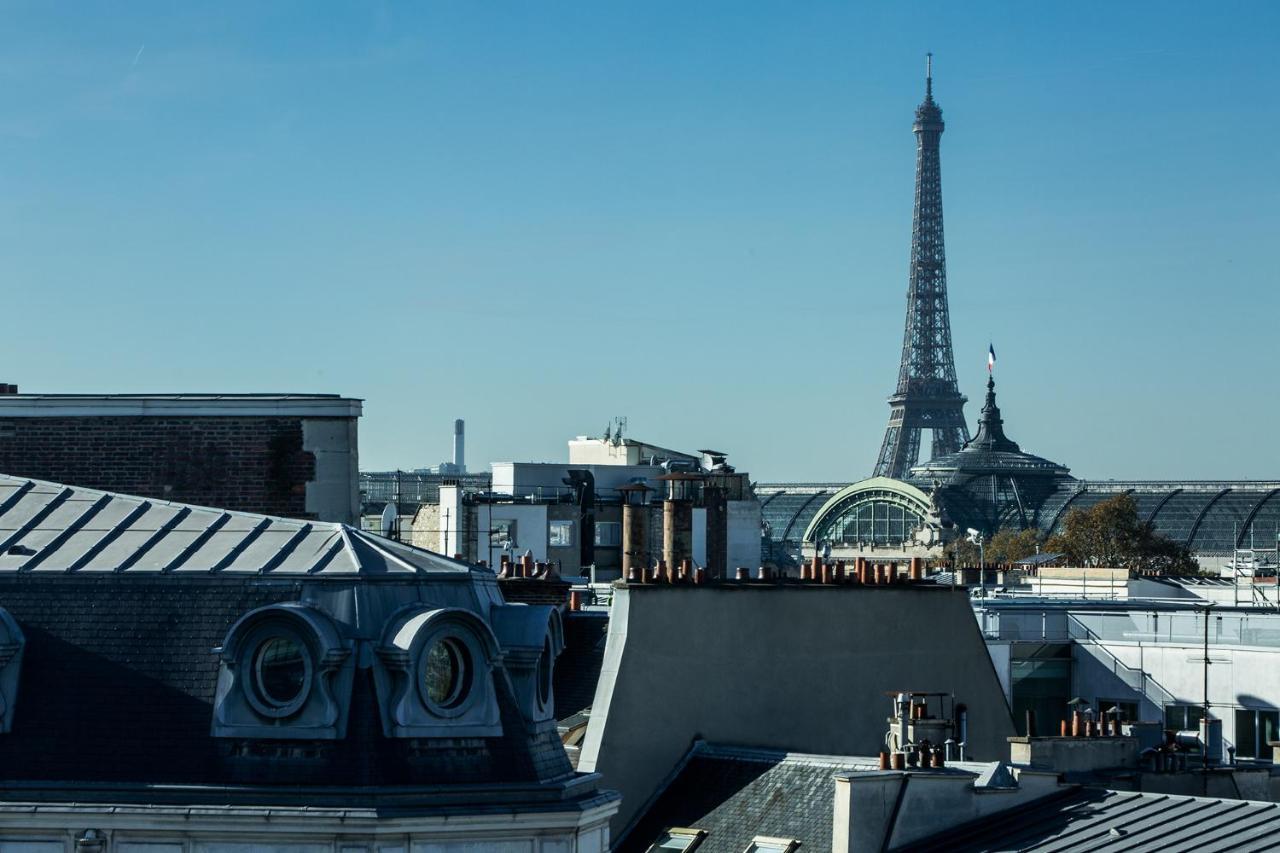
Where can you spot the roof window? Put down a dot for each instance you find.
(678, 840)
(764, 844)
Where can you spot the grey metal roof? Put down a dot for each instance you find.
(1114, 821)
(49, 527)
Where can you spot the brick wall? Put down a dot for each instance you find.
(535, 590)
(253, 464)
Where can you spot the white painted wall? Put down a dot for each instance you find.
(334, 493)
(1239, 677)
(451, 510)
(597, 451)
(531, 528)
(1156, 658)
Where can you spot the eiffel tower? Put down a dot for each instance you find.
(927, 396)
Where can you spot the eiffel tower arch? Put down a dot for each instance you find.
(927, 396)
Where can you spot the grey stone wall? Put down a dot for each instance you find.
(784, 666)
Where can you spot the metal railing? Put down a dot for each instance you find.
(1135, 677)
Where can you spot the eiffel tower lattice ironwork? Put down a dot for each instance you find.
(927, 396)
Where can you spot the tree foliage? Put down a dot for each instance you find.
(1006, 546)
(961, 552)
(1110, 534)
(1009, 545)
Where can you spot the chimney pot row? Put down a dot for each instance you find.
(815, 570)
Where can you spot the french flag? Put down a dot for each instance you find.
(991, 357)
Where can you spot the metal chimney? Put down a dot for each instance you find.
(459, 446)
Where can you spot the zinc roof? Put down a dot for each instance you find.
(1103, 821)
(50, 527)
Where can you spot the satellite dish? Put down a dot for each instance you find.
(389, 517)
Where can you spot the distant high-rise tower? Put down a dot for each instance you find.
(459, 447)
(927, 396)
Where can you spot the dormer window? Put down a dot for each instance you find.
(446, 674)
(286, 675)
(532, 636)
(434, 674)
(281, 673)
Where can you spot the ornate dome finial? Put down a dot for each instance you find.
(990, 434)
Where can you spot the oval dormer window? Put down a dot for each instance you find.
(446, 674)
(280, 669)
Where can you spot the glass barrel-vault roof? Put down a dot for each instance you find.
(1264, 529)
(786, 512)
(1223, 521)
(1148, 502)
(1189, 512)
(1177, 518)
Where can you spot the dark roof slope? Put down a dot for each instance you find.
(118, 682)
(578, 668)
(118, 675)
(736, 794)
(1092, 819)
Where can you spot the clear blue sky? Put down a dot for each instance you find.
(540, 215)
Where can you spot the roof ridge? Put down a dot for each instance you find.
(778, 756)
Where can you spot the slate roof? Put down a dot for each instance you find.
(49, 527)
(119, 675)
(578, 668)
(123, 602)
(736, 794)
(1090, 819)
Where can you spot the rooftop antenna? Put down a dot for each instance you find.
(928, 76)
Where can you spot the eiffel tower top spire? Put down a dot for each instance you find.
(928, 112)
(927, 396)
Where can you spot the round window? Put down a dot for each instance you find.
(446, 673)
(280, 669)
(544, 673)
